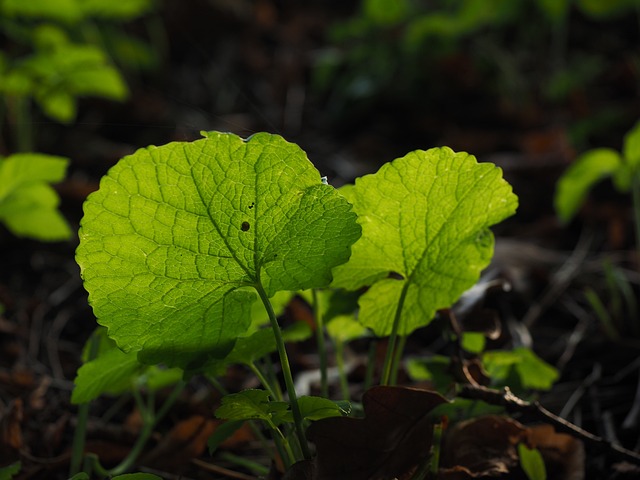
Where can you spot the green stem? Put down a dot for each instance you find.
(23, 124)
(371, 365)
(286, 372)
(344, 384)
(263, 380)
(272, 377)
(150, 419)
(397, 358)
(79, 436)
(393, 339)
(322, 350)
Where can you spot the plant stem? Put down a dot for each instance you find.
(150, 419)
(397, 357)
(344, 384)
(265, 383)
(79, 436)
(393, 338)
(286, 371)
(322, 350)
(23, 123)
(371, 365)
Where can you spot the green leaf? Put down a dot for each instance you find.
(7, 473)
(111, 372)
(175, 233)
(586, 171)
(317, 408)
(425, 220)
(345, 328)
(436, 369)
(532, 462)
(60, 10)
(248, 350)
(631, 148)
(28, 205)
(60, 72)
(532, 371)
(253, 404)
(473, 342)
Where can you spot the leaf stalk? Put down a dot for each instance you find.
(393, 339)
(286, 371)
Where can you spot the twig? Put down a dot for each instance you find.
(514, 404)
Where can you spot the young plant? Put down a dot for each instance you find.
(28, 204)
(178, 240)
(60, 51)
(175, 239)
(596, 165)
(425, 220)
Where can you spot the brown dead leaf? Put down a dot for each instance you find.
(393, 438)
(187, 440)
(481, 447)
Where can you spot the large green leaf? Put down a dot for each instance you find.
(28, 205)
(175, 234)
(425, 220)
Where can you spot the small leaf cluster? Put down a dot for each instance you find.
(64, 50)
(28, 204)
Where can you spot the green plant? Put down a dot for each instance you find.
(60, 51)
(28, 204)
(179, 239)
(616, 301)
(598, 164)
(406, 52)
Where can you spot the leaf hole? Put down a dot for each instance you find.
(252, 205)
(245, 226)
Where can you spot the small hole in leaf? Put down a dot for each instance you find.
(396, 276)
(252, 205)
(245, 226)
